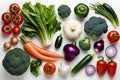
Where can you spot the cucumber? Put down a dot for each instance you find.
(58, 41)
(112, 12)
(82, 64)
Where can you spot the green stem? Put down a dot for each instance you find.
(101, 58)
(22, 37)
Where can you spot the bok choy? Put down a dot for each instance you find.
(40, 21)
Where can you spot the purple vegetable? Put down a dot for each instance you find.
(99, 46)
(111, 51)
(70, 51)
(90, 70)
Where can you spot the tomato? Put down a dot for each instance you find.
(6, 29)
(113, 36)
(112, 66)
(6, 17)
(49, 68)
(18, 19)
(16, 30)
(101, 67)
(14, 8)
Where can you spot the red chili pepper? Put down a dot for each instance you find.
(101, 66)
(112, 66)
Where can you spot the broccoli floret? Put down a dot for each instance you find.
(16, 61)
(64, 11)
(85, 43)
(95, 27)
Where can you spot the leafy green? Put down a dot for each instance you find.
(40, 21)
(35, 67)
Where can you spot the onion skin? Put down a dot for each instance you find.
(99, 46)
(70, 52)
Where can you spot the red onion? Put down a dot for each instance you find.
(111, 51)
(99, 46)
(90, 70)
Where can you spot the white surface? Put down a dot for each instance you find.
(4, 4)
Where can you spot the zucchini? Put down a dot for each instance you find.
(112, 12)
(82, 64)
(58, 41)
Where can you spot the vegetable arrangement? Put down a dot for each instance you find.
(41, 21)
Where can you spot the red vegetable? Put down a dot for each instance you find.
(113, 36)
(6, 17)
(112, 66)
(101, 66)
(14, 8)
(18, 19)
(16, 30)
(49, 68)
(6, 29)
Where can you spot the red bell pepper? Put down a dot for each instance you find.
(112, 66)
(101, 66)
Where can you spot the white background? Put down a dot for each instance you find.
(4, 5)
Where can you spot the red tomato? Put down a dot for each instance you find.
(112, 65)
(18, 19)
(16, 30)
(14, 8)
(6, 17)
(101, 67)
(49, 68)
(6, 29)
(113, 36)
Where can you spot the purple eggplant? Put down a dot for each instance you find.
(70, 51)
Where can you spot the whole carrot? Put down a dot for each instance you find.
(32, 51)
(45, 52)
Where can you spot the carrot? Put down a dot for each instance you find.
(32, 51)
(45, 52)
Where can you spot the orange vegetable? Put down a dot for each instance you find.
(32, 51)
(45, 52)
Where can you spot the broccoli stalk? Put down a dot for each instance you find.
(85, 43)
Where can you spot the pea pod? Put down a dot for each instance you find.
(58, 41)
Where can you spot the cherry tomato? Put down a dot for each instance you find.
(16, 30)
(14, 8)
(101, 66)
(6, 29)
(49, 68)
(112, 66)
(6, 17)
(113, 36)
(18, 19)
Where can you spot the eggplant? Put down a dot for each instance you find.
(70, 51)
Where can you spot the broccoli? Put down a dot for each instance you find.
(85, 43)
(64, 11)
(95, 27)
(16, 61)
